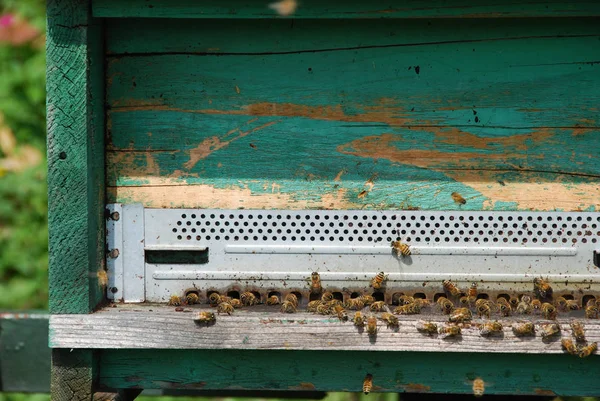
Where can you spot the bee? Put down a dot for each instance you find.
(588, 350)
(484, 310)
(561, 303)
(536, 304)
(549, 330)
(423, 303)
(526, 299)
(503, 306)
(445, 305)
(490, 328)
(478, 387)
(372, 326)
(214, 299)
(449, 331)
(524, 308)
(323, 309)
(461, 315)
(524, 329)
(591, 312)
(464, 301)
(315, 284)
(456, 197)
(427, 327)
(541, 287)
(341, 313)
(450, 288)
(284, 8)
(405, 300)
(569, 346)
(578, 331)
(572, 304)
(358, 320)
(410, 309)
(192, 298)
(367, 299)
(378, 281)
(236, 303)
(288, 307)
(327, 296)
(401, 248)
(292, 298)
(248, 298)
(334, 302)
(368, 383)
(548, 311)
(591, 302)
(225, 307)
(378, 306)
(205, 317)
(513, 301)
(355, 303)
(472, 293)
(391, 320)
(174, 301)
(273, 300)
(312, 305)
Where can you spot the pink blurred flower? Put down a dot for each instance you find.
(6, 20)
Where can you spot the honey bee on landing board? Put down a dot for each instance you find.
(578, 331)
(548, 311)
(292, 298)
(405, 300)
(588, 350)
(391, 320)
(225, 307)
(312, 305)
(569, 346)
(410, 309)
(490, 328)
(427, 327)
(592, 312)
(460, 315)
(550, 330)
(192, 298)
(315, 284)
(355, 303)
(483, 308)
(340, 312)
(368, 383)
(174, 301)
(248, 299)
(273, 300)
(372, 325)
(503, 306)
(236, 303)
(451, 288)
(323, 309)
(288, 307)
(449, 331)
(401, 248)
(472, 293)
(205, 317)
(326, 296)
(367, 299)
(378, 306)
(524, 329)
(358, 320)
(536, 304)
(378, 281)
(214, 299)
(445, 305)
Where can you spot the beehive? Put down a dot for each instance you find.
(222, 148)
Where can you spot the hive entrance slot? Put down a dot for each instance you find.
(177, 257)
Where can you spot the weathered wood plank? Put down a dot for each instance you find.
(433, 372)
(353, 123)
(75, 157)
(346, 9)
(73, 375)
(161, 327)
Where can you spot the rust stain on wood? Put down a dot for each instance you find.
(338, 177)
(303, 386)
(416, 388)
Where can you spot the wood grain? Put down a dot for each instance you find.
(347, 9)
(504, 113)
(161, 327)
(72, 377)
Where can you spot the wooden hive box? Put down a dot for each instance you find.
(200, 147)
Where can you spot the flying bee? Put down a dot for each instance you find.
(248, 298)
(327, 296)
(463, 301)
(588, 350)
(368, 383)
(524, 308)
(542, 287)
(367, 299)
(372, 326)
(341, 313)
(288, 307)
(578, 331)
(378, 281)
(450, 288)
(549, 330)
(315, 283)
(214, 299)
(472, 293)
(445, 305)
(312, 305)
(192, 298)
(391, 320)
(358, 320)
(456, 197)
(449, 331)
(478, 387)
(225, 307)
(174, 301)
(291, 297)
(548, 311)
(378, 306)
(460, 315)
(410, 309)
(323, 309)
(205, 317)
(536, 304)
(503, 306)
(355, 304)
(405, 300)
(401, 248)
(273, 300)
(524, 329)
(236, 303)
(427, 327)
(569, 346)
(592, 312)
(490, 328)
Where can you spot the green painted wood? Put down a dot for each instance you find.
(345, 371)
(24, 352)
(504, 113)
(75, 156)
(345, 9)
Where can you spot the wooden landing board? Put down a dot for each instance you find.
(161, 327)
(354, 114)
